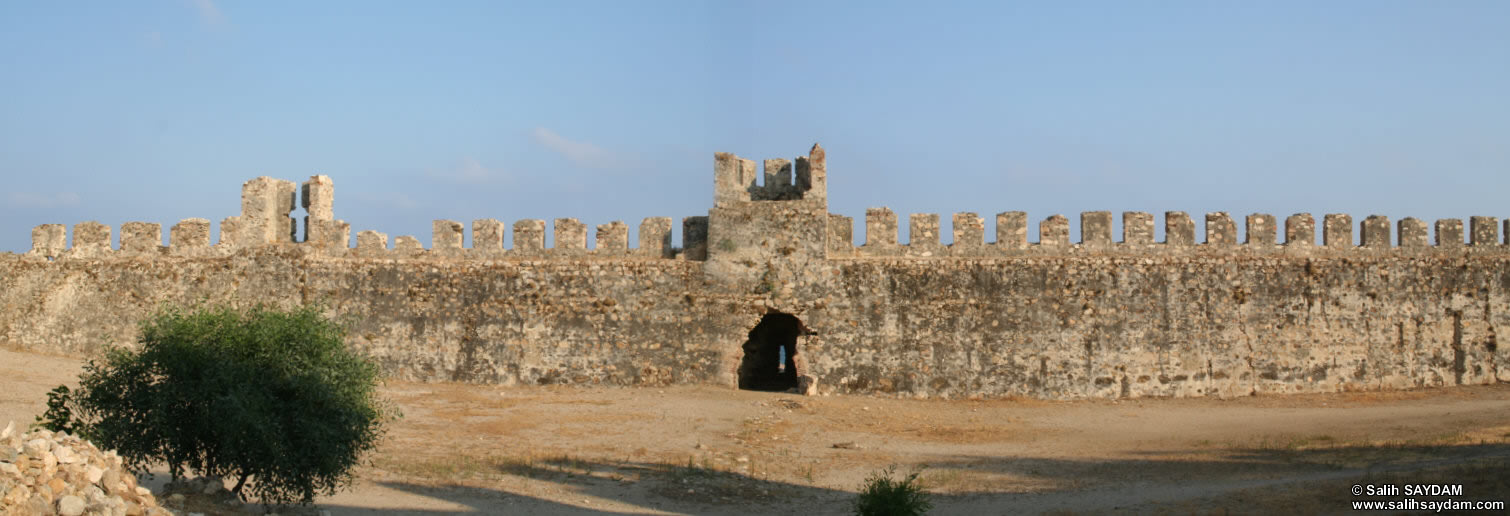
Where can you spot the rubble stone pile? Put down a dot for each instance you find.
(43, 473)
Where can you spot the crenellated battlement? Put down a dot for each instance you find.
(265, 220)
(1410, 235)
(1201, 307)
(789, 187)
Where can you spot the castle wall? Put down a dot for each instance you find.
(1092, 316)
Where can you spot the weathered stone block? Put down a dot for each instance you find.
(1485, 230)
(969, 231)
(407, 246)
(327, 235)
(1179, 230)
(1012, 229)
(733, 179)
(445, 235)
(1096, 228)
(1220, 229)
(812, 174)
(778, 181)
(841, 238)
(318, 195)
(1261, 230)
(141, 237)
(571, 236)
(487, 236)
(1137, 228)
(265, 205)
(529, 236)
(1412, 232)
(695, 238)
(1449, 233)
(49, 240)
(880, 227)
(1300, 229)
(655, 237)
(189, 234)
(1337, 230)
(1376, 232)
(923, 230)
(612, 238)
(1054, 231)
(371, 243)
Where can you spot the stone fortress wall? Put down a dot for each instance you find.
(1052, 319)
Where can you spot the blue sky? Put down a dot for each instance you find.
(159, 110)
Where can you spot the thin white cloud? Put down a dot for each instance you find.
(581, 153)
(208, 11)
(154, 38)
(469, 172)
(39, 200)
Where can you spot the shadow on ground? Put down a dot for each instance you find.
(1245, 480)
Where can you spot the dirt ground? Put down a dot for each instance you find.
(710, 450)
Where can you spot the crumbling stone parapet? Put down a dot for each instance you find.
(1449, 233)
(1337, 231)
(1485, 231)
(1376, 232)
(695, 238)
(529, 236)
(1179, 230)
(49, 241)
(1300, 230)
(571, 237)
(880, 228)
(1220, 229)
(812, 174)
(1412, 232)
(1137, 228)
(265, 205)
(1096, 228)
(841, 238)
(655, 237)
(969, 232)
(487, 236)
(611, 239)
(445, 236)
(1012, 229)
(189, 237)
(407, 246)
(923, 232)
(320, 225)
(230, 233)
(733, 179)
(1054, 231)
(371, 244)
(1261, 230)
(90, 240)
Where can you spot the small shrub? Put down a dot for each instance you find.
(883, 496)
(267, 396)
(59, 416)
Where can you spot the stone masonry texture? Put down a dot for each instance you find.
(1052, 319)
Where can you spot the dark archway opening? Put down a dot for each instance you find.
(770, 362)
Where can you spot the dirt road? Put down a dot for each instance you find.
(708, 450)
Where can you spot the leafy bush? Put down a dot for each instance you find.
(269, 396)
(883, 496)
(59, 415)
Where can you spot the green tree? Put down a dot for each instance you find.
(271, 398)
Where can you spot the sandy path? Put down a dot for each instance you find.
(708, 450)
